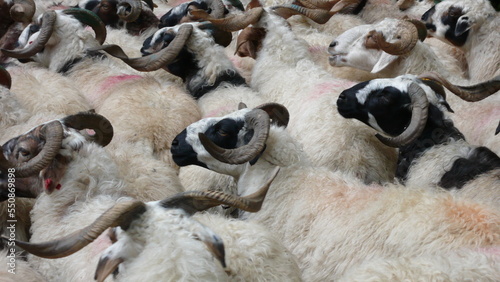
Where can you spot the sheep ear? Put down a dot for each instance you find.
(384, 60)
(463, 24)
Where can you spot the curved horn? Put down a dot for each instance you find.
(194, 201)
(234, 22)
(48, 21)
(154, 61)
(418, 119)
(91, 19)
(319, 16)
(258, 120)
(53, 133)
(23, 11)
(471, 93)
(405, 4)
(318, 4)
(90, 120)
(407, 37)
(135, 10)
(278, 113)
(121, 214)
(421, 29)
(5, 78)
(346, 6)
(217, 7)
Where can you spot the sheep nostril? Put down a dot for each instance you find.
(333, 44)
(342, 96)
(175, 143)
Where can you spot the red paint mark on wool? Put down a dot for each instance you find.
(48, 183)
(111, 81)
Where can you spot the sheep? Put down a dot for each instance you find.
(115, 14)
(353, 48)
(86, 193)
(284, 73)
(11, 112)
(111, 92)
(470, 26)
(14, 15)
(332, 222)
(432, 152)
(192, 245)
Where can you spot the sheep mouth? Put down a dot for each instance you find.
(335, 59)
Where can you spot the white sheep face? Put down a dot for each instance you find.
(165, 243)
(349, 48)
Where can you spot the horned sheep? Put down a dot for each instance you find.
(285, 73)
(432, 152)
(90, 183)
(329, 221)
(471, 26)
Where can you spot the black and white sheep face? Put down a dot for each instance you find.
(451, 21)
(29, 34)
(349, 48)
(180, 13)
(228, 132)
(383, 104)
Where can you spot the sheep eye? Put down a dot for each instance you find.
(222, 133)
(24, 153)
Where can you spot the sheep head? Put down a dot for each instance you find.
(399, 106)
(44, 31)
(374, 47)
(42, 155)
(130, 219)
(452, 21)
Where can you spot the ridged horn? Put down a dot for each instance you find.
(407, 37)
(420, 106)
(318, 4)
(48, 21)
(154, 61)
(129, 10)
(405, 4)
(90, 120)
(319, 16)
(421, 29)
(5, 78)
(217, 7)
(194, 201)
(278, 113)
(23, 11)
(121, 214)
(234, 22)
(258, 120)
(53, 133)
(472, 93)
(346, 6)
(91, 19)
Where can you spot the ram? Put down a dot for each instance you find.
(160, 110)
(90, 183)
(471, 26)
(432, 151)
(285, 73)
(131, 15)
(376, 48)
(332, 222)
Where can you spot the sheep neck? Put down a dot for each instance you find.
(438, 130)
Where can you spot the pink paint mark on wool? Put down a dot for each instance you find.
(220, 111)
(111, 81)
(328, 88)
(317, 49)
(490, 251)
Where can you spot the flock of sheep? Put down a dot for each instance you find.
(271, 140)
